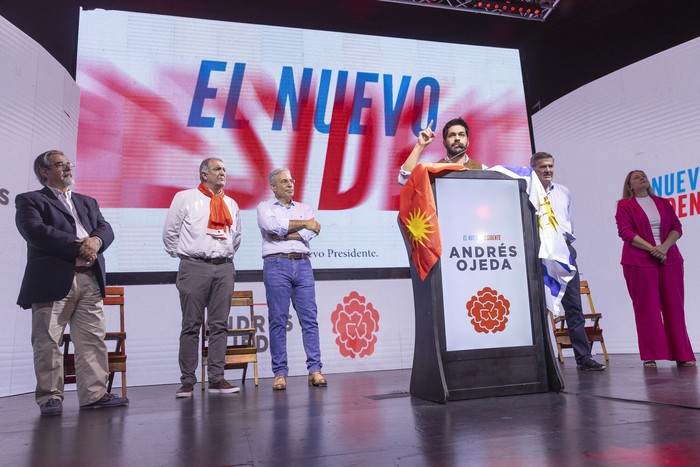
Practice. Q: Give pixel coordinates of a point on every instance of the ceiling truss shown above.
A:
(536, 10)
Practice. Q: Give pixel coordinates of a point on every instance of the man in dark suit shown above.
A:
(64, 282)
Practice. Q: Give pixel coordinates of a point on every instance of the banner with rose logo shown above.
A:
(355, 323)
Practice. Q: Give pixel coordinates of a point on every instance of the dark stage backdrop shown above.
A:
(581, 41)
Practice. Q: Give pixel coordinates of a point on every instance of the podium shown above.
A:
(480, 314)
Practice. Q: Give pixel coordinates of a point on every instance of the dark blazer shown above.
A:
(50, 232)
(632, 221)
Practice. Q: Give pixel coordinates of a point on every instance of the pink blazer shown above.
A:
(632, 220)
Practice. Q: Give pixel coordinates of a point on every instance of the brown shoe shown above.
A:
(317, 379)
(222, 387)
(185, 390)
(280, 383)
(685, 364)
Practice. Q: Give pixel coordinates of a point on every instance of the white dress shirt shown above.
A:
(274, 217)
(560, 198)
(185, 229)
(66, 199)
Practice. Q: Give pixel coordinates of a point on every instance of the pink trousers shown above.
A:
(657, 297)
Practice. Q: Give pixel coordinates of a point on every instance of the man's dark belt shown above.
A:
(288, 255)
(208, 260)
(84, 270)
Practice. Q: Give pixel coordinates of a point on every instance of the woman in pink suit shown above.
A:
(653, 268)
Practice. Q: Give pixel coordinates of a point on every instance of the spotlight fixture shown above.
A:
(536, 10)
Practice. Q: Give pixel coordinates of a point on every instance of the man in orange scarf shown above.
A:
(203, 229)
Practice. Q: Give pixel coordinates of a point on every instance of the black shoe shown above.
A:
(51, 407)
(108, 400)
(588, 364)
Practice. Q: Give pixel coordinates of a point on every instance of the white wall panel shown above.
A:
(645, 116)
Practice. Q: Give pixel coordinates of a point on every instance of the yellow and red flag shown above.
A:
(418, 215)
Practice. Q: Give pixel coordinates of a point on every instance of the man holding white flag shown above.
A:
(555, 256)
(555, 211)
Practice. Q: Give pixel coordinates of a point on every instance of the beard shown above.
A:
(454, 150)
(67, 181)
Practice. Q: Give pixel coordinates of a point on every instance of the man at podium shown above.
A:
(455, 137)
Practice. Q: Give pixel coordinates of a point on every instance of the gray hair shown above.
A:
(273, 174)
(204, 166)
(42, 162)
(538, 156)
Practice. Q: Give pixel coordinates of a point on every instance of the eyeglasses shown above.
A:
(63, 165)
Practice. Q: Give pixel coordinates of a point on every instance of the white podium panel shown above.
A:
(483, 265)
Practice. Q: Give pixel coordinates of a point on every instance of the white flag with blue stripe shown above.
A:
(556, 260)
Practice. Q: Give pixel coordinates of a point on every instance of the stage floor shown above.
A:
(627, 415)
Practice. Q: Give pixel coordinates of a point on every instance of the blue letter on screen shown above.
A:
(360, 101)
(421, 86)
(322, 101)
(287, 92)
(202, 92)
(234, 93)
(392, 112)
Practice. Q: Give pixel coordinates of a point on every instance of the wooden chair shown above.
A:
(117, 357)
(241, 348)
(593, 330)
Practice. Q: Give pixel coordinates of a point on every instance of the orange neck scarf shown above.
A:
(219, 216)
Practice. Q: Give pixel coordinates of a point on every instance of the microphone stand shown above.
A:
(459, 154)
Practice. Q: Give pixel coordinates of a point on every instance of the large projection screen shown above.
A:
(161, 93)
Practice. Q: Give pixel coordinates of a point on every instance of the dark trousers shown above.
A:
(203, 285)
(573, 312)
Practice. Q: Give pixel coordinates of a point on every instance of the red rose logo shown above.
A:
(488, 311)
(355, 322)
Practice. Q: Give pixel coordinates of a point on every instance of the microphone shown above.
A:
(448, 160)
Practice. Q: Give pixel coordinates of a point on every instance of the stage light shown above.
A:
(537, 10)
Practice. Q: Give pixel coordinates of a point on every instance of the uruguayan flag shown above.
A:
(556, 260)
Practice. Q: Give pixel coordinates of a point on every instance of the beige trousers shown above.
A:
(82, 308)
